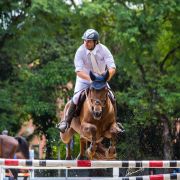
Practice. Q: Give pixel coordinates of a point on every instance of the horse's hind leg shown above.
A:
(92, 149)
(111, 153)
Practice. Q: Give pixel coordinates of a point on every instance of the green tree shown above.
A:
(38, 40)
(12, 16)
(149, 40)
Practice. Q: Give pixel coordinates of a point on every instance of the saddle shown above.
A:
(81, 100)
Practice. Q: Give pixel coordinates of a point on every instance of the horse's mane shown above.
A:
(23, 146)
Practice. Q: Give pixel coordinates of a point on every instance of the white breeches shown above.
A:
(79, 87)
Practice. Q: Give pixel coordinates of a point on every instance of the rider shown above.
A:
(91, 48)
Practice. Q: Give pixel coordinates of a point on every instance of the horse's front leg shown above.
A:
(81, 155)
(91, 151)
(66, 138)
(89, 131)
(68, 150)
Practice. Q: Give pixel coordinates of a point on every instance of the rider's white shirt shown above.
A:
(102, 55)
(82, 62)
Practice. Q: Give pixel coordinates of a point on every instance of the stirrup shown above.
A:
(63, 126)
(121, 127)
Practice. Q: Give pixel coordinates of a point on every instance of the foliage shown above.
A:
(38, 40)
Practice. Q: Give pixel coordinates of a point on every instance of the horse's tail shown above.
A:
(23, 146)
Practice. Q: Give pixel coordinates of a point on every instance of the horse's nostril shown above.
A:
(97, 113)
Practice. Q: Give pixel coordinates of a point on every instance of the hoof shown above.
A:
(111, 153)
(121, 128)
(112, 150)
(90, 154)
(80, 157)
(100, 156)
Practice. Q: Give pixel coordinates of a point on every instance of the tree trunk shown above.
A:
(49, 154)
(166, 138)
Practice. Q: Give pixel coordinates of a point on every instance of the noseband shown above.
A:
(93, 102)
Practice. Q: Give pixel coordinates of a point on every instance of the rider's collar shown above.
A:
(94, 51)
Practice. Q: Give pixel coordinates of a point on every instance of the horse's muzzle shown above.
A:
(97, 115)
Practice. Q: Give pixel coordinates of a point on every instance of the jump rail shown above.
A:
(154, 177)
(66, 164)
(87, 164)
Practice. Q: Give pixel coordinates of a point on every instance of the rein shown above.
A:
(88, 101)
(90, 105)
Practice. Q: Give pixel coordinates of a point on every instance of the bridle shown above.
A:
(93, 102)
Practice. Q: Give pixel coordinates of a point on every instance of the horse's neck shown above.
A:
(87, 106)
(109, 106)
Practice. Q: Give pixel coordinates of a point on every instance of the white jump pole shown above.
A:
(153, 177)
(87, 164)
(64, 164)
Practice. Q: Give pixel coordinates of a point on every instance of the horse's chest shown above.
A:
(104, 127)
(101, 126)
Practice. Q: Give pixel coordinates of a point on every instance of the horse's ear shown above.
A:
(106, 75)
(92, 75)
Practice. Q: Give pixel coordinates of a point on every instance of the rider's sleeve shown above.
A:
(78, 60)
(109, 60)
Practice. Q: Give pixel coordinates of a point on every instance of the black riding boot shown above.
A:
(65, 124)
(113, 101)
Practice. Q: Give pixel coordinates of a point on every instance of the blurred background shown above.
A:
(38, 41)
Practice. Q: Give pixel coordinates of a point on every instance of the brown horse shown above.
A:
(97, 120)
(14, 147)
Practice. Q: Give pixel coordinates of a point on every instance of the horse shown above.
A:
(14, 147)
(96, 121)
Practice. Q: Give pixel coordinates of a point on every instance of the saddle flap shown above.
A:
(81, 100)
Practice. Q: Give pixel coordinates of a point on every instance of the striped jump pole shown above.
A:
(65, 164)
(155, 177)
